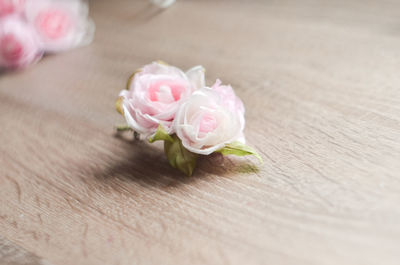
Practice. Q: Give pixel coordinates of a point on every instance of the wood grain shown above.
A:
(320, 81)
(10, 254)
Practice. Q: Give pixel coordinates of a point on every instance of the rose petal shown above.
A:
(196, 76)
(9, 7)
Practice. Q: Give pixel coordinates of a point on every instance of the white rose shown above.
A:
(205, 123)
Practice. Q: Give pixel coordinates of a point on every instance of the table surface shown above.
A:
(320, 81)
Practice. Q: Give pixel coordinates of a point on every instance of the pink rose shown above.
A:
(61, 25)
(8, 7)
(230, 100)
(155, 95)
(210, 119)
(18, 44)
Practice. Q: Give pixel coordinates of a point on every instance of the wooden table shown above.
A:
(321, 84)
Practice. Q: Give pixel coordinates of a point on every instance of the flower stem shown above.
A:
(123, 128)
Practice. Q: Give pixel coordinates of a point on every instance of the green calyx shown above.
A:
(161, 135)
(178, 156)
(182, 159)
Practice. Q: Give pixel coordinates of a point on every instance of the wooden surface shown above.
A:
(321, 84)
(11, 254)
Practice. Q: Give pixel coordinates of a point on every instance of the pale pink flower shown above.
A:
(230, 100)
(18, 44)
(155, 95)
(209, 120)
(60, 25)
(8, 7)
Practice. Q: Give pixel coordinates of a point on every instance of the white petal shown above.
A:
(131, 122)
(196, 76)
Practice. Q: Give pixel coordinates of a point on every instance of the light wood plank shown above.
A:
(320, 81)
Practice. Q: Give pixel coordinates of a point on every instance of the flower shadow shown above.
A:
(144, 164)
(147, 165)
(5, 71)
(225, 166)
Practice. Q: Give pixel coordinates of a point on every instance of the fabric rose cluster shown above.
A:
(162, 102)
(30, 28)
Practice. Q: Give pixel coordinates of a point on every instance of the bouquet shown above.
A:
(163, 103)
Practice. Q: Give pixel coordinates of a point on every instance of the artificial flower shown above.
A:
(19, 46)
(207, 121)
(154, 95)
(60, 25)
(166, 104)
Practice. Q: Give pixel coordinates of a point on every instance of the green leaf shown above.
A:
(161, 135)
(239, 149)
(122, 128)
(179, 157)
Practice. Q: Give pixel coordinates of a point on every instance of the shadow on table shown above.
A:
(146, 164)
(3, 72)
(15, 71)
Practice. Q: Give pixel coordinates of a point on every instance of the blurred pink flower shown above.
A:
(8, 7)
(61, 25)
(18, 44)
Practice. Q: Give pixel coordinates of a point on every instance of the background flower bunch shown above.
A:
(30, 28)
(164, 103)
